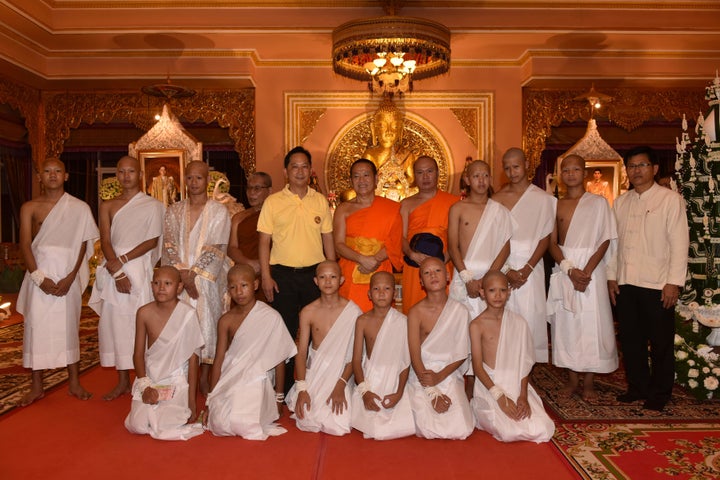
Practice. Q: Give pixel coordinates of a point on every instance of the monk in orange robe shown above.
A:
(367, 232)
(424, 212)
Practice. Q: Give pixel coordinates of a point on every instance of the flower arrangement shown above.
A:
(215, 177)
(110, 188)
(697, 366)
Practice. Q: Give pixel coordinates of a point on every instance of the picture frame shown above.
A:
(611, 172)
(172, 189)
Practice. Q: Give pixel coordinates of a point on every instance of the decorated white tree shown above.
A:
(698, 173)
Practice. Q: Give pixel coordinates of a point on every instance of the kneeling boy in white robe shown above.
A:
(163, 403)
(381, 364)
(504, 404)
(253, 344)
(439, 346)
(319, 397)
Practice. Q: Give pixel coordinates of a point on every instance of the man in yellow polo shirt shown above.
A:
(298, 224)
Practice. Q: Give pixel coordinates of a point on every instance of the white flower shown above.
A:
(693, 373)
(691, 363)
(692, 383)
(678, 339)
(716, 371)
(681, 355)
(711, 383)
(706, 370)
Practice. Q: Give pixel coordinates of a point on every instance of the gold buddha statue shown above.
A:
(393, 161)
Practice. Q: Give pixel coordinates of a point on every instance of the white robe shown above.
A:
(583, 335)
(390, 356)
(166, 364)
(448, 342)
(491, 234)
(324, 367)
(203, 250)
(534, 216)
(243, 401)
(513, 362)
(139, 220)
(51, 337)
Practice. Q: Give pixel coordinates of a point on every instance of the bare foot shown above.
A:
(568, 390)
(30, 397)
(589, 393)
(79, 392)
(119, 390)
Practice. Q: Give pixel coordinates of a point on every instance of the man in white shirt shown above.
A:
(645, 277)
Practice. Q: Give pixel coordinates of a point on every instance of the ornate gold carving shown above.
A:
(544, 109)
(353, 142)
(468, 118)
(25, 100)
(231, 109)
(309, 117)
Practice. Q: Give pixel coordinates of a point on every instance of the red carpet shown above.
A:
(60, 437)
(642, 451)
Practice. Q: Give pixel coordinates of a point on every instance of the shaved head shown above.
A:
(243, 271)
(173, 272)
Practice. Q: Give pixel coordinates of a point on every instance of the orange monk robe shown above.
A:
(430, 217)
(367, 231)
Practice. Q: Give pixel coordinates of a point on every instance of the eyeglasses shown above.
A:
(634, 166)
(255, 188)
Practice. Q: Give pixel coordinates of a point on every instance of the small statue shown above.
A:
(393, 161)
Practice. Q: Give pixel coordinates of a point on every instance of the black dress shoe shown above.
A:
(629, 397)
(657, 405)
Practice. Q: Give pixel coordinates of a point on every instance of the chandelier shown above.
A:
(167, 90)
(391, 51)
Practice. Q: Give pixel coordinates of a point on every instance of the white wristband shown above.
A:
(362, 388)
(496, 392)
(466, 276)
(140, 385)
(119, 273)
(566, 265)
(301, 386)
(37, 277)
(432, 392)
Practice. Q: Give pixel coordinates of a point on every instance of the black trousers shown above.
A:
(297, 289)
(642, 321)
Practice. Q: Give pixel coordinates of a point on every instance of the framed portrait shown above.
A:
(163, 174)
(604, 178)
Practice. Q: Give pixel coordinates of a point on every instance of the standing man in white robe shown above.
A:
(57, 236)
(533, 210)
(253, 345)
(195, 238)
(381, 364)
(504, 403)
(439, 347)
(479, 232)
(583, 335)
(130, 230)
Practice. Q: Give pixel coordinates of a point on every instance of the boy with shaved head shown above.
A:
(504, 403)
(130, 231)
(323, 368)
(57, 233)
(381, 364)
(252, 347)
(583, 335)
(439, 347)
(195, 235)
(167, 346)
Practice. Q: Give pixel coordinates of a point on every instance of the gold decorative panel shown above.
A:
(231, 109)
(353, 141)
(630, 107)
